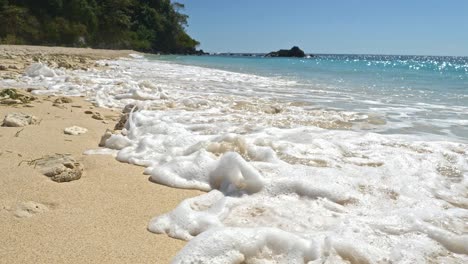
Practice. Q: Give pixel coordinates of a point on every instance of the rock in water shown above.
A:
(75, 130)
(293, 52)
(105, 137)
(272, 109)
(122, 122)
(19, 120)
(128, 108)
(60, 167)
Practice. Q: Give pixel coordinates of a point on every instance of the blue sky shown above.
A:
(419, 27)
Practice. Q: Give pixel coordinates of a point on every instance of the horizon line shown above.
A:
(370, 54)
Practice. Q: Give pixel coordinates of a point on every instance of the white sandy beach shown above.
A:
(100, 218)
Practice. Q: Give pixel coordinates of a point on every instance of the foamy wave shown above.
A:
(285, 183)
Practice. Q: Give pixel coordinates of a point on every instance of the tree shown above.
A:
(145, 25)
(18, 27)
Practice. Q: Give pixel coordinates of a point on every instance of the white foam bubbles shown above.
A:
(242, 245)
(39, 70)
(285, 182)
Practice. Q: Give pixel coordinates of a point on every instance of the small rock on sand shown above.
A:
(60, 167)
(10, 101)
(65, 64)
(19, 120)
(75, 130)
(63, 100)
(97, 116)
(12, 96)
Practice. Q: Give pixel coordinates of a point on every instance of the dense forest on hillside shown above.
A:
(144, 25)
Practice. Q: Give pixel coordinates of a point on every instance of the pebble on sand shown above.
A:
(97, 116)
(75, 130)
(60, 167)
(63, 100)
(19, 120)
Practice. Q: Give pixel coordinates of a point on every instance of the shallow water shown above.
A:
(296, 170)
(416, 94)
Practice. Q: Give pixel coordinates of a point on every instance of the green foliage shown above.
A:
(18, 26)
(144, 25)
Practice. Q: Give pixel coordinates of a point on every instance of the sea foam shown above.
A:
(284, 182)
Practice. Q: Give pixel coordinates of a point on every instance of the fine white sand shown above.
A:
(100, 218)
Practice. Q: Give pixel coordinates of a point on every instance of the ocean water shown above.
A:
(415, 94)
(334, 159)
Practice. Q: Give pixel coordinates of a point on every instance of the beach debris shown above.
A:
(75, 130)
(58, 167)
(105, 137)
(29, 209)
(18, 133)
(88, 112)
(19, 120)
(13, 96)
(3, 68)
(31, 89)
(97, 116)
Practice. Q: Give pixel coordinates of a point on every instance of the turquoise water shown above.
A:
(418, 94)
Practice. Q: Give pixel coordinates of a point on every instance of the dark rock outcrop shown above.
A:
(293, 52)
(196, 52)
(201, 52)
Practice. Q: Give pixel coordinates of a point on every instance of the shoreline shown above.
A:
(15, 58)
(274, 173)
(103, 216)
